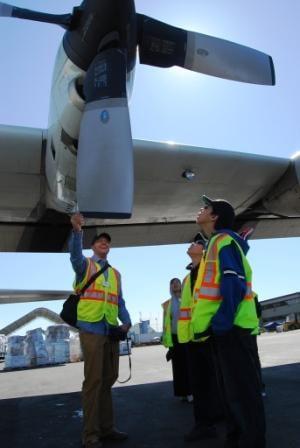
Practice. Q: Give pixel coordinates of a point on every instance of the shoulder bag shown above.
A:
(69, 309)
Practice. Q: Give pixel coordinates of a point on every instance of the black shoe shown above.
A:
(115, 435)
(96, 444)
(230, 444)
(200, 433)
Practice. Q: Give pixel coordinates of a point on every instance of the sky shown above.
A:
(166, 105)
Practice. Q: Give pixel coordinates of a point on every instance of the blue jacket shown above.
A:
(233, 283)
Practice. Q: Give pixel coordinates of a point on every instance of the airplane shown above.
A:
(55, 171)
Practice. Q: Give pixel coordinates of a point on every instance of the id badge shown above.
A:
(106, 284)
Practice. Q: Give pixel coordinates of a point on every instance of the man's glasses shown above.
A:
(201, 242)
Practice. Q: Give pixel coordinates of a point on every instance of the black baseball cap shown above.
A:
(101, 235)
(223, 209)
(198, 239)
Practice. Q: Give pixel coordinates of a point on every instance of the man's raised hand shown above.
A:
(77, 221)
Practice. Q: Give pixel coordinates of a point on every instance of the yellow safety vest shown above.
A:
(167, 330)
(207, 290)
(256, 330)
(101, 297)
(184, 328)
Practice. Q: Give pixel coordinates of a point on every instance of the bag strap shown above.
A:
(129, 361)
(93, 278)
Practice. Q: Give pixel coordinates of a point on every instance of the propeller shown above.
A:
(64, 20)
(163, 45)
(101, 39)
(105, 151)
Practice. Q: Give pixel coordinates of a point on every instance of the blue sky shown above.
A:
(167, 105)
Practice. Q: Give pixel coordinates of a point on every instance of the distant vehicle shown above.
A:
(124, 348)
(292, 322)
(3, 346)
(145, 339)
(291, 325)
(272, 326)
(156, 340)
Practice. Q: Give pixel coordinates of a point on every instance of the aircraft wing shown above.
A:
(264, 191)
(27, 295)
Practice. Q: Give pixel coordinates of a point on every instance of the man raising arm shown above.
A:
(98, 312)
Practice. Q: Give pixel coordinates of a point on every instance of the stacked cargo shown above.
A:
(3, 345)
(35, 349)
(15, 355)
(57, 344)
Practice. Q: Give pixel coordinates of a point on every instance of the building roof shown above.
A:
(286, 298)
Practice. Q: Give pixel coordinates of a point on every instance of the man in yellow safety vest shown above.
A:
(206, 405)
(225, 310)
(98, 312)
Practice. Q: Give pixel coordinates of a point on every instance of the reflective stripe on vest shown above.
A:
(185, 314)
(184, 329)
(167, 330)
(100, 300)
(207, 293)
(256, 330)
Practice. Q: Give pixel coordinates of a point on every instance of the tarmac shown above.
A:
(41, 408)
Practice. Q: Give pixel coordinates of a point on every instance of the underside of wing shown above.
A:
(169, 182)
(25, 223)
(263, 190)
(21, 172)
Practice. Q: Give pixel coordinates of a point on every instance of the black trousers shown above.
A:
(179, 360)
(241, 388)
(206, 404)
(257, 363)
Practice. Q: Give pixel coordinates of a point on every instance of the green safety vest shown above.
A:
(207, 295)
(184, 327)
(100, 300)
(167, 330)
(256, 330)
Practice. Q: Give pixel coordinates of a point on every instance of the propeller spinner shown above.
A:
(101, 39)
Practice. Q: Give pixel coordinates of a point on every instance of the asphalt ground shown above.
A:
(41, 407)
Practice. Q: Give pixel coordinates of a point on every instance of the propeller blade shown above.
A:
(105, 150)
(64, 20)
(6, 10)
(163, 45)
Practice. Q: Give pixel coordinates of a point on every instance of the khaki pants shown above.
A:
(101, 367)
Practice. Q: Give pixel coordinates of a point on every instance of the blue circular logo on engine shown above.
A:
(104, 116)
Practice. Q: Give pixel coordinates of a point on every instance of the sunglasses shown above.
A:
(200, 242)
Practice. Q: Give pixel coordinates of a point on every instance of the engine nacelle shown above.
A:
(65, 114)
(64, 121)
